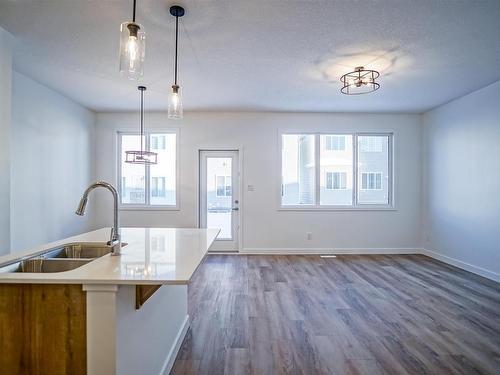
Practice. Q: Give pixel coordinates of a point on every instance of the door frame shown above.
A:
(239, 149)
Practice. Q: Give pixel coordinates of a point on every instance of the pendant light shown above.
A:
(132, 48)
(142, 156)
(361, 81)
(175, 110)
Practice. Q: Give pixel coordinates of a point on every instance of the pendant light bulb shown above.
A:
(132, 49)
(175, 110)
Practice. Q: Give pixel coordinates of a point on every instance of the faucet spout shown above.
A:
(81, 206)
(115, 239)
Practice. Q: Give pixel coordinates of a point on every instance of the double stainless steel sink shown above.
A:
(63, 258)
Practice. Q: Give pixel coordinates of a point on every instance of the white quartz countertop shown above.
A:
(152, 256)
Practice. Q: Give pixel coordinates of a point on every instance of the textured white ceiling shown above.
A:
(275, 55)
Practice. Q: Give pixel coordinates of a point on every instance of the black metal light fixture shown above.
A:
(361, 81)
(175, 110)
(132, 48)
(142, 156)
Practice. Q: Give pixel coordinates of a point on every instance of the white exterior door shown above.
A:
(220, 197)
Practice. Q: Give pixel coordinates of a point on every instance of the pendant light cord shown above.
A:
(176, 38)
(133, 14)
(142, 119)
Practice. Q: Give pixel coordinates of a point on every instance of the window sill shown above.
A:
(149, 208)
(340, 208)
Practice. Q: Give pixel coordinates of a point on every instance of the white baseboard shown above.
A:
(172, 354)
(463, 265)
(319, 251)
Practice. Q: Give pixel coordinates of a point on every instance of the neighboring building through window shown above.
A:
(157, 186)
(345, 178)
(298, 169)
(223, 186)
(370, 144)
(158, 142)
(335, 142)
(371, 181)
(149, 185)
(336, 180)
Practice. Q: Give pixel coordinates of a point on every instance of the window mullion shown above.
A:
(119, 168)
(147, 184)
(355, 170)
(317, 177)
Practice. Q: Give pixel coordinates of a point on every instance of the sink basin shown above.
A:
(64, 258)
(80, 250)
(50, 265)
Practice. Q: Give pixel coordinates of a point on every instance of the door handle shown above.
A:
(235, 209)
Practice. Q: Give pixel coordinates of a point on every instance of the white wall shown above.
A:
(264, 227)
(461, 219)
(52, 162)
(5, 137)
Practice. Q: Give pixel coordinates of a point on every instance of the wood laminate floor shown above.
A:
(383, 314)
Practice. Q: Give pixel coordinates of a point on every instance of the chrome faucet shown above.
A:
(115, 239)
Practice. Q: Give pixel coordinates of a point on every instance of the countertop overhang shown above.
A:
(152, 256)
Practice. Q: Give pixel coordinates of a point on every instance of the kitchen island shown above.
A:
(124, 314)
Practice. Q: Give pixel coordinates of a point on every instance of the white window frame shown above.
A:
(225, 186)
(146, 206)
(374, 173)
(356, 206)
(340, 174)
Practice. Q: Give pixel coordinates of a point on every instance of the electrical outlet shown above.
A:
(309, 236)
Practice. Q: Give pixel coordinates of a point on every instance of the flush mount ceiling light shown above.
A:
(142, 156)
(361, 81)
(132, 48)
(175, 110)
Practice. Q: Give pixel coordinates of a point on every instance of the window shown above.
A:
(335, 142)
(298, 169)
(158, 142)
(336, 180)
(223, 186)
(157, 186)
(358, 174)
(149, 185)
(370, 144)
(371, 181)
(338, 192)
(374, 169)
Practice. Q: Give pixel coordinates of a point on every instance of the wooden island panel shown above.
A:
(43, 329)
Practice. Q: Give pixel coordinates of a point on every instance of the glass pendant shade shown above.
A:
(132, 50)
(175, 110)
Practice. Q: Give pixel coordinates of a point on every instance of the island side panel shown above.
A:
(42, 329)
(148, 339)
(101, 328)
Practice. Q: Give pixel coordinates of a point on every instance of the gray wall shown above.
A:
(52, 162)
(264, 226)
(5, 115)
(461, 219)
